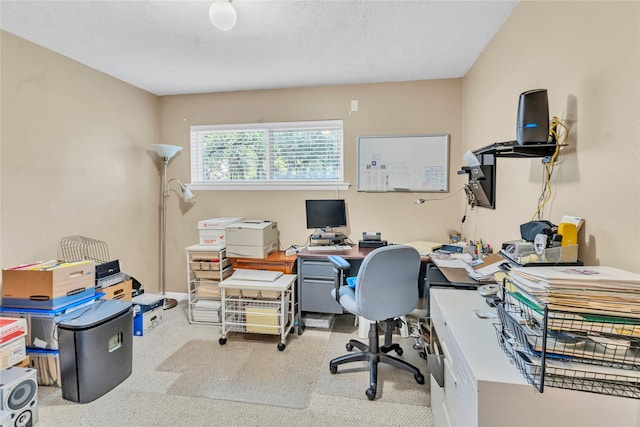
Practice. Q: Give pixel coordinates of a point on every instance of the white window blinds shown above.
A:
(267, 154)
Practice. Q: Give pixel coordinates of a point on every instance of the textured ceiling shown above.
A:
(170, 47)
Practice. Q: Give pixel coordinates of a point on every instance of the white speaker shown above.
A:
(19, 396)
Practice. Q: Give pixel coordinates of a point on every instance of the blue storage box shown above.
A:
(147, 309)
(42, 324)
(47, 303)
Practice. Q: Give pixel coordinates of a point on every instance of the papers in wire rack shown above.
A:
(593, 289)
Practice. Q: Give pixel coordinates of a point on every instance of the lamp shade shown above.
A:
(165, 151)
(222, 15)
(188, 195)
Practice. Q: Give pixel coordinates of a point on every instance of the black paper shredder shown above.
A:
(96, 349)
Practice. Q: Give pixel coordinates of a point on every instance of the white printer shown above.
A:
(251, 238)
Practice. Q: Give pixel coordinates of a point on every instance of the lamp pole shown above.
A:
(168, 302)
(166, 152)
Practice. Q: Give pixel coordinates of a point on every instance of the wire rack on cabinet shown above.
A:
(576, 351)
(78, 248)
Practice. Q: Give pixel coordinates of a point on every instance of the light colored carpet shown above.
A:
(144, 400)
(352, 379)
(248, 368)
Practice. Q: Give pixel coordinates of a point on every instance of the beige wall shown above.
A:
(74, 157)
(74, 160)
(587, 54)
(391, 108)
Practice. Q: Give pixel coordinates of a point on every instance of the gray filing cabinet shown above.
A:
(316, 279)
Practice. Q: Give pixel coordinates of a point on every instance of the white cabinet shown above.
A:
(482, 387)
(207, 266)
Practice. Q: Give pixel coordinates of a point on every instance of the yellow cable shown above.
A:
(547, 192)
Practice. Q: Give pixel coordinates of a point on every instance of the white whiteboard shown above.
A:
(413, 163)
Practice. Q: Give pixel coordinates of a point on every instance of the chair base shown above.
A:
(375, 354)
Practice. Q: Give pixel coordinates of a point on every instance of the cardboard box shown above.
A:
(144, 322)
(122, 290)
(24, 363)
(48, 285)
(147, 313)
(212, 231)
(11, 328)
(12, 352)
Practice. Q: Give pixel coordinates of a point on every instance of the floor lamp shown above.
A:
(166, 152)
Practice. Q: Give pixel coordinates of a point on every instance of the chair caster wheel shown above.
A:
(222, 341)
(281, 346)
(399, 351)
(419, 378)
(371, 394)
(349, 346)
(333, 369)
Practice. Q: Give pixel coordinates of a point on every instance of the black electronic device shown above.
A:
(371, 235)
(107, 269)
(326, 213)
(484, 189)
(372, 243)
(533, 117)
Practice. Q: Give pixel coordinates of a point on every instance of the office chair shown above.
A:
(386, 287)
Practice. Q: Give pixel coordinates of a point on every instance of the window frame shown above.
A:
(327, 184)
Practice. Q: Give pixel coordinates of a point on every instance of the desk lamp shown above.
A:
(166, 152)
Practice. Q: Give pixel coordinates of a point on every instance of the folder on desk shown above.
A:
(424, 247)
(256, 275)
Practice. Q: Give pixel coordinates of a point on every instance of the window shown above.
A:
(297, 155)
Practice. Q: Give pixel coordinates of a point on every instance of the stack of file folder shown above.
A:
(595, 290)
(576, 328)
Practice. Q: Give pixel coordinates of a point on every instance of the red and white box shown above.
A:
(212, 232)
(13, 349)
(12, 328)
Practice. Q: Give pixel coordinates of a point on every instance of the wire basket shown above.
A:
(79, 248)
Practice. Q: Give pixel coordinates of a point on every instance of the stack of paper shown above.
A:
(207, 311)
(595, 290)
(424, 247)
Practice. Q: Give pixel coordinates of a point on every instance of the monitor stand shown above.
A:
(327, 241)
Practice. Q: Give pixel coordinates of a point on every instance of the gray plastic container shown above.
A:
(96, 349)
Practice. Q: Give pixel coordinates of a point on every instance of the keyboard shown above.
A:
(328, 248)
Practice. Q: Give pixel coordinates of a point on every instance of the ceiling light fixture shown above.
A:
(222, 14)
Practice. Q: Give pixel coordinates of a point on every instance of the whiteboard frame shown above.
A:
(416, 147)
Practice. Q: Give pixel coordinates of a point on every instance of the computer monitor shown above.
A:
(326, 213)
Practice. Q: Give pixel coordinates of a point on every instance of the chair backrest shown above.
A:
(387, 282)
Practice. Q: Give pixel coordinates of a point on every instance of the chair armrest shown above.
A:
(339, 265)
(338, 262)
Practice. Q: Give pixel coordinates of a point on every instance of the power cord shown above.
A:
(421, 201)
(560, 138)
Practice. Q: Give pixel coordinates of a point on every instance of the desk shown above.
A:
(482, 387)
(317, 278)
(275, 261)
(445, 277)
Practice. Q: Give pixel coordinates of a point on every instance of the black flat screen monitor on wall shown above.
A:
(326, 213)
